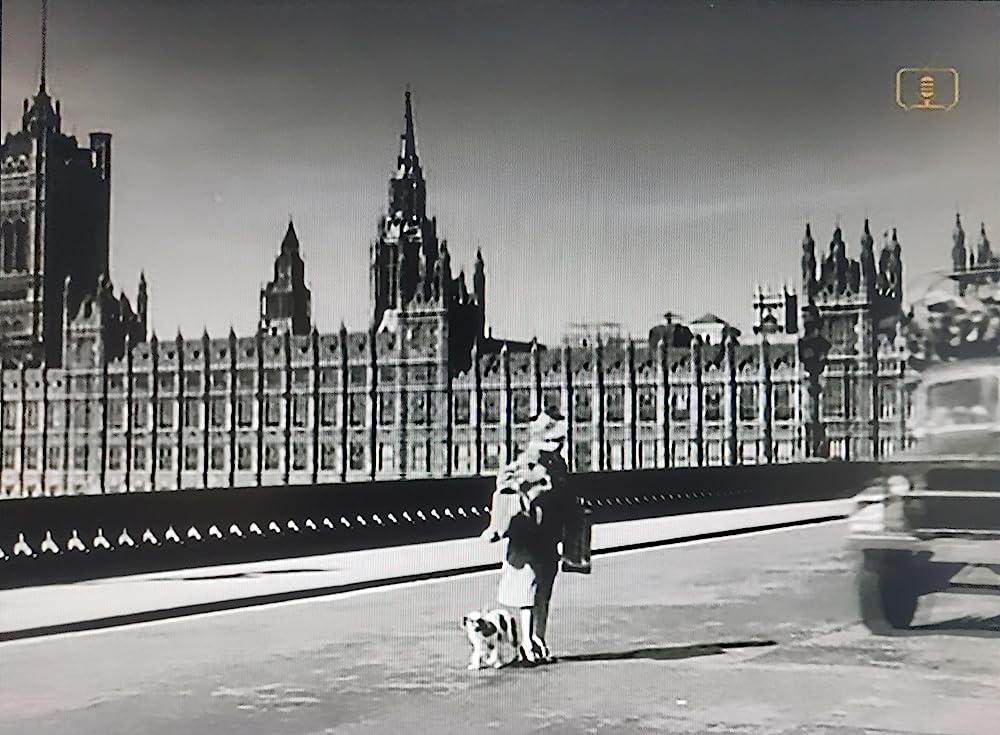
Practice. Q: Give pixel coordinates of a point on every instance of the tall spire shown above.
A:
(407, 193)
(45, 23)
(408, 160)
(39, 114)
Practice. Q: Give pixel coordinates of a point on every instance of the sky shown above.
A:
(613, 160)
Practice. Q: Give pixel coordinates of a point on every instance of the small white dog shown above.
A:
(489, 633)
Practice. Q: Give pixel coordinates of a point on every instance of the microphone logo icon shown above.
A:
(926, 89)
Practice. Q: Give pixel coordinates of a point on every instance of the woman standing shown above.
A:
(531, 507)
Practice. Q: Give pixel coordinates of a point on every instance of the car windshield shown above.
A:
(963, 402)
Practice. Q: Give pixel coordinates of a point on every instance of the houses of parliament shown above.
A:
(94, 403)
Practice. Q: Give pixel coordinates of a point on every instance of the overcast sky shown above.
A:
(613, 160)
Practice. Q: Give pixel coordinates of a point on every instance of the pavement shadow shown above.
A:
(968, 625)
(666, 653)
(241, 575)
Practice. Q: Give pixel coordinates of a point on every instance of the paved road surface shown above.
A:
(54, 608)
(667, 640)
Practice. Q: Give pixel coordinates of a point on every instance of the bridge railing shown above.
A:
(49, 540)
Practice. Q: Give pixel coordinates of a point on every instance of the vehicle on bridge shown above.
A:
(931, 521)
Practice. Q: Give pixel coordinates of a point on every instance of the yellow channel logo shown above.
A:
(927, 89)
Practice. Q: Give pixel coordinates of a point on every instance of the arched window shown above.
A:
(7, 246)
(22, 260)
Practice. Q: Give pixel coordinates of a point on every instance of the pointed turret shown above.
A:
(984, 253)
(446, 279)
(809, 285)
(867, 270)
(142, 305)
(890, 277)
(290, 243)
(959, 257)
(839, 264)
(285, 302)
(479, 280)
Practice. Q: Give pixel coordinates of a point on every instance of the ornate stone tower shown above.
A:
(285, 303)
(411, 277)
(857, 305)
(55, 199)
(857, 300)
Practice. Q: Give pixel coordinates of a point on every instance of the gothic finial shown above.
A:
(232, 334)
(866, 238)
(808, 239)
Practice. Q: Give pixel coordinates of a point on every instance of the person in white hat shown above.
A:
(530, 507)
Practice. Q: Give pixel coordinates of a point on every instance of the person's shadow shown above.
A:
(665, 653)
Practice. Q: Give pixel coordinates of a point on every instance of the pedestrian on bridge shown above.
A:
(531, 507)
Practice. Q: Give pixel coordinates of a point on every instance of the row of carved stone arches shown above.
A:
(14, 248)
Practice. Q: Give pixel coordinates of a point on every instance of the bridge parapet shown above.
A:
(44, 540)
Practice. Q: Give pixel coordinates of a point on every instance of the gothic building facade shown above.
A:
(859, 304)
(90, 404)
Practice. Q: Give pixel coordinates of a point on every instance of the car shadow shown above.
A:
(666, 653)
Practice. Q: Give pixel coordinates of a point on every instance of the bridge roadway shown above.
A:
(748, 634)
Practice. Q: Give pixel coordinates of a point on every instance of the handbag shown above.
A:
(576, 544)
